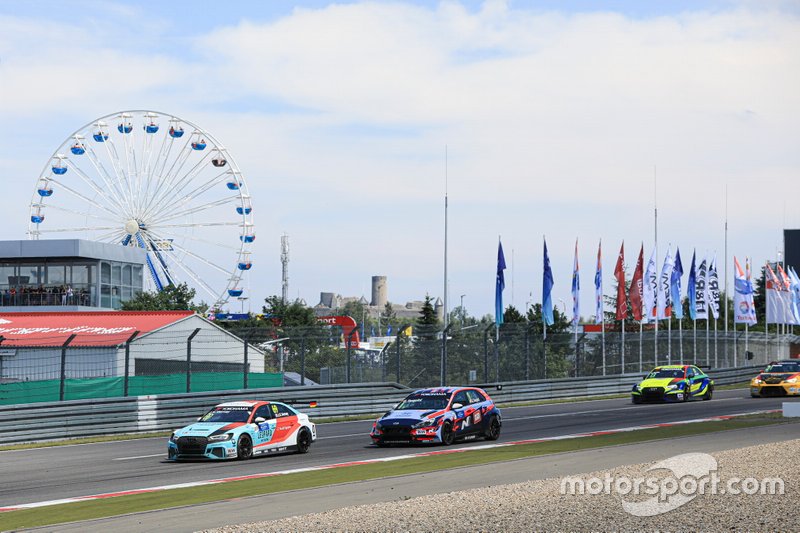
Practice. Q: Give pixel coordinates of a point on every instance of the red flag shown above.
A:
(636, 294)
(619, 273)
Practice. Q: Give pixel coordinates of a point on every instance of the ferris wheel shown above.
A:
(157, 182)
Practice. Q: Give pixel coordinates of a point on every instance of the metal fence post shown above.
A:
(486, 353)
(128, 363)
(246, 362)
(443, 377)
(302, 360)
(527, 352)
(64, 366)
(189, 360)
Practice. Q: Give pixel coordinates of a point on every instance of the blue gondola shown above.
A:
(59, 170)
(245, 266)
(176, 133)
(78, 149)
(244, 210)
(151, 128)
(38, 219)
(235, 292)
(125, 128)
(247, 238)
(100, 136)
(199, 145)
(44, 192)
(234, 185)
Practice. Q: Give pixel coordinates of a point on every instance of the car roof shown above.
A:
(242, 403)
(443, 390)
(671, 367)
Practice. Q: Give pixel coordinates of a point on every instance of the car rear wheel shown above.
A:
(493, 431)
(244, 448)
(448, 435)
(303, 441)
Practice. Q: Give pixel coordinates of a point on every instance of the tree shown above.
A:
(171, 298)
(427, 314)
(388, 313)
(511, 315)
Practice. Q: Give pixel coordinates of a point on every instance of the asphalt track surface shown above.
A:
(80, 470)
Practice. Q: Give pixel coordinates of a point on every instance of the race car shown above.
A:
(441, 415)
(240, 430)
(673, 383)
(780, 378)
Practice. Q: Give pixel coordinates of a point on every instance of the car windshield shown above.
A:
(784, 367)
(666, 373)
(425, 402)
(227, 414)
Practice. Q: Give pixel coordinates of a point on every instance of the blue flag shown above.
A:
(372, 331)
(388, 330)
(576, 289)
(675, 286)
(547, 287)
(499, 286)
(691, 290)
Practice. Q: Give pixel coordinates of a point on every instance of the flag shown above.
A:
(750, 298)
(665, 288)
(712, 289)
(795, 290)
(547, 287)
(372, 331)
(791, 303)
(650, 289)
(576, 289)
(691, 287)
(743, 313)
(635, 294)
(388, 330)
(500, 284)
(619, 273)
(775, 307)
(700, 292)
(675, 285)
(598, 286)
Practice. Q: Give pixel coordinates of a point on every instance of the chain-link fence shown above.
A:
(196, 360)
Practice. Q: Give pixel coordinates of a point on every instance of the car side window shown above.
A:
(281, 410)
(461, 397)
(697, 371)
(690, 373)
(474, 396)
(264, 411)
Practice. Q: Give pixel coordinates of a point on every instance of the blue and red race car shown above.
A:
(440, 415)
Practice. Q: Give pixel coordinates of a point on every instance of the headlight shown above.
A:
(637, 387)
(218, 438)
(172, 437)
(425, 423)
(756, 380)
(675, 386)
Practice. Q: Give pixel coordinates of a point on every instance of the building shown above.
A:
(329, 302)
(68, 275)
(96, 345)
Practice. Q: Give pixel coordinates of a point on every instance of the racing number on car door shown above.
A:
(265, 430)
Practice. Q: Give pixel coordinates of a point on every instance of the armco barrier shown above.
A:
(83, 418)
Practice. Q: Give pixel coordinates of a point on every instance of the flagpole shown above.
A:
(443, 361)
(680, 337)
(655, 226)
(694, 327)
(622, 351)
(725, 302)
(716, 360)
(603, 335)
(734, 344)
(669, 341)
(640, 345)
(708, 346)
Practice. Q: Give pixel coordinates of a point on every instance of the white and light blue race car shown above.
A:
(240, 430)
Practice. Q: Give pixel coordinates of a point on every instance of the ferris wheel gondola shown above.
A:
(143, 186)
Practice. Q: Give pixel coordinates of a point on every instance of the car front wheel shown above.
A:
(244, 448)
(448, 435)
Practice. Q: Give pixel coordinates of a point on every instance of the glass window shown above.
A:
(264, 412)
(56, 275)
(6, 272)
(80, 274)
(461, 398)
(126, 293)
(105, 296)
(281, 410)
(137, 277)
(126, 275)
(474, 396)
(116, 274)
(105, 273)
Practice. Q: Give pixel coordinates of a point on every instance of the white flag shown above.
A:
(712, 289)
(650, 289)
(700, 295)
(665, 288)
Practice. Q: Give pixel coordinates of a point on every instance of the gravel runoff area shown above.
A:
(541, 506)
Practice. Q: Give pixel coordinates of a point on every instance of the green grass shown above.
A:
(239, 489)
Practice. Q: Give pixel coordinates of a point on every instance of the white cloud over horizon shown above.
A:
(339, 115)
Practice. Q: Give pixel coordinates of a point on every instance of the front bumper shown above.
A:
(767, 390)
(658, 394)
(199, 448)
(405, 435)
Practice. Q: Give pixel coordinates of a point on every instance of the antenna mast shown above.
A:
(285, 265)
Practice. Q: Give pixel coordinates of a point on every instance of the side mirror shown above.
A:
(260, 420)
(457, 406)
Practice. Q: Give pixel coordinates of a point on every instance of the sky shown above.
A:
(351, 121)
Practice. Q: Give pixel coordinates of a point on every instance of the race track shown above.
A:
(81, 470)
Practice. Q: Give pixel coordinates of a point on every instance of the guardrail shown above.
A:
(142, 414)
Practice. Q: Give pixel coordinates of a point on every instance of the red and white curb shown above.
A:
(368, 462)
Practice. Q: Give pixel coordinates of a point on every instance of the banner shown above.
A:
(795, 289)
(650, 289)
(700, 294)
(547, 288)
(675, 285)
(743, 310)
(779, 298)
(619, 273)
(664, 295)
(691, 288)
(712, 290)
(500, 284)
(576, 289)
(598, 287)
(791, 301)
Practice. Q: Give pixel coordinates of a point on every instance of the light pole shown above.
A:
(563, 306)
(463, 312)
